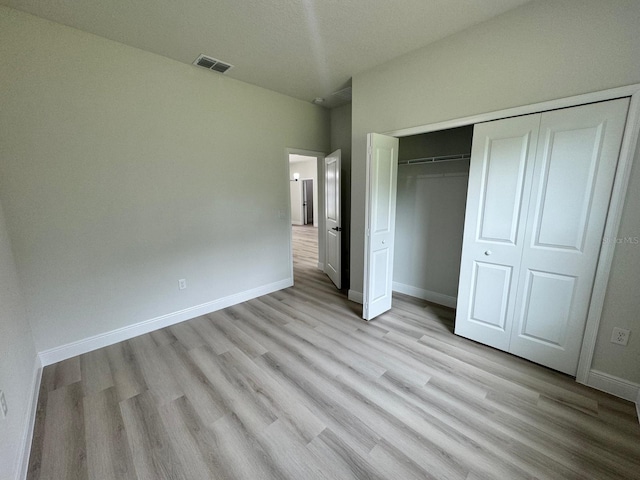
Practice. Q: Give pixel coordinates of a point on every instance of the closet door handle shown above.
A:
(487, 252)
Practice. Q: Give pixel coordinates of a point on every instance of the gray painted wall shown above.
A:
(17, 360)
(123, 171)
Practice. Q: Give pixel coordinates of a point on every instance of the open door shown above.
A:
(332, 226)
(380, 213)
(307, 202)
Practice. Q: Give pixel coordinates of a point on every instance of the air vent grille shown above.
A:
(344, 94)
(212, 64)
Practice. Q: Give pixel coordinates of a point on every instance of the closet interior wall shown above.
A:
(430, 212)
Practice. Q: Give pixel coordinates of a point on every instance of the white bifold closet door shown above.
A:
(539, 191)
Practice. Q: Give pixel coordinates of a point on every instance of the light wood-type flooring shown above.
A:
(295, 385)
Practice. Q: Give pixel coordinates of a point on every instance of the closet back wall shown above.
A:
(430, 215)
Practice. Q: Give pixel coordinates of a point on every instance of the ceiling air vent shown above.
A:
(212, 64)
(344, 94)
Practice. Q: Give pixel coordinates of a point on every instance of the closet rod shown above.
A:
(442, 158)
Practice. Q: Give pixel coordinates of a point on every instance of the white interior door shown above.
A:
(539, 192)
(307, 201)
(574, 170)
(382, 171)
(332, 226)
(500, 172)
(296, 203)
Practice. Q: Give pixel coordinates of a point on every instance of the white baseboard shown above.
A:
(355, 296)
(615, 386)
(70, 350)
(27, 435)
(429, 296)
(320, 266)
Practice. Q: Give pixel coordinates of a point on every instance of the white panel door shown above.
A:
(333, 229)
(502, 158)
(574, 170)
(382, 171)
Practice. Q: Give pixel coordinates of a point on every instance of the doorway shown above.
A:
(304, 193)
(433, 172)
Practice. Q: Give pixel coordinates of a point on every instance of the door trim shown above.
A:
(320, 174)
(616, 203)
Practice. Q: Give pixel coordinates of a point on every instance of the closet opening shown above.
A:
(433, 173)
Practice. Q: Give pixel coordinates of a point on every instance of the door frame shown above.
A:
(320, 208)
(616, 203)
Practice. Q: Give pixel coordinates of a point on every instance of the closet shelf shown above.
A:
(442, 158)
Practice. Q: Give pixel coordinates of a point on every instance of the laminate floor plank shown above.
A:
(233, 390)
(159, 379)
(241, 452)
(327, 408)
(37, 442)
(125, 370)
(64, 451)
(95, 371)
(339, 459)
(295, 385)
(202, 394)
(211, 334)
(226, 323)
(153, 455)
(177, 417)
(106, 438)
(67, 372)
(285, 403)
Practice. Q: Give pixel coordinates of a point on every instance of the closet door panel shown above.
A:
(500, 174)
(569, 163)
(382, 170)
(573, 176)
(501, 191)
(548, 299)
(494, 282)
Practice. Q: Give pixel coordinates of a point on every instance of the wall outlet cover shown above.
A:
(3, 405)
(620, 336)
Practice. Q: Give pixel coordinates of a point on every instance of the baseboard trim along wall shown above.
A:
(320, 266)
(355, 296)
(427, 295)
(615, 386)
(27, 435)
(70, 350)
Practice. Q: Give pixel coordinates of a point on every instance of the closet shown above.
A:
(539, 192)
(433, 170)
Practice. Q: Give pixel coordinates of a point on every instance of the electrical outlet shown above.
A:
(620, 336)
(3, 405)
(182, 283)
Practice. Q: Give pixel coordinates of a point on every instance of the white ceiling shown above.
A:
(302, 48)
